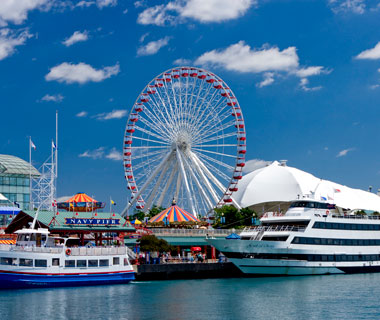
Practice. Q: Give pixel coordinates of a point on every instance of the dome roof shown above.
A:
(14, 165)
(278, 183)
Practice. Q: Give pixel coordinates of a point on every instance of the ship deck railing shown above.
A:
(75, 251)
(275, 229)
(193, 232)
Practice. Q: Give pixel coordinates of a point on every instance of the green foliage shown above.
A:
(152, 243)
(140, 215)
(233, 217)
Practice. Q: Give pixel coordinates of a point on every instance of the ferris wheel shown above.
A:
(184, 140)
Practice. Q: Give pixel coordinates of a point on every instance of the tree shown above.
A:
(152, 243)
(233, 218)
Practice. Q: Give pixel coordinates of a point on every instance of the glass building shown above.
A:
(14, 179)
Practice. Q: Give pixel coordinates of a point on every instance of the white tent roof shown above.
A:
(280, 183)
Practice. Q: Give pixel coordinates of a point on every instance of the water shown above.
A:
(317, 297)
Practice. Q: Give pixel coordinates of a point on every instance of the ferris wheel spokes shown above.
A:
(185, 145)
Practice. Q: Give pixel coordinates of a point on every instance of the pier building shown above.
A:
(15, 179)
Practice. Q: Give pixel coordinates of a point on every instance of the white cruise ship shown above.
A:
(312, 237)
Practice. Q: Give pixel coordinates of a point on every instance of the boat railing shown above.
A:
(97, 251)
(286, 228)
(36, 249)
(193, 232)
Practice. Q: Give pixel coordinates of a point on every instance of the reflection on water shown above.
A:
(317, 297)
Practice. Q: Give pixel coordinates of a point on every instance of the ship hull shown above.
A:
(18, 280)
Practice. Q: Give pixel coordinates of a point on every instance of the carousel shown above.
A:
(174, 216)
(81, 202)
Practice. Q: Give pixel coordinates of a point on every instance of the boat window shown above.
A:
(116, 260)
(92, 263)
(33, 237)
(40, 263)
(8, 261)
(70, 263)
(55, 262)
(104, 263)
(81, 263)
(26, 262)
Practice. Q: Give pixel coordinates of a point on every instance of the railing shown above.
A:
(31, 249)
(193, 232)
(80, 251)
(97, 251)
(275, 228)
(357, 216)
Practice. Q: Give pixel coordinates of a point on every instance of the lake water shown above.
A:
(316, 297)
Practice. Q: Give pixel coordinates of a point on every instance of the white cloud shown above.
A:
(106, 3)
(142, 38)
(77, 36)
(9, 40)
(114, 155)
(200, 10)
(93, 154)
(310, 71)
(100, 153)
(215, 10)
(114, 114)
(80, 73)
(82, 114)
(156, 15)
(52, 98)
(304, 85)
(268, 79)
(182, 62)
(343, 6)
(16, 11)
(152, 47)
(254, 164)
(125, 11)
(371, 54)
(84, 4)
(240, 57)
(344, 152)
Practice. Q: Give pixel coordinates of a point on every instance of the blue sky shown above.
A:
(306, 74)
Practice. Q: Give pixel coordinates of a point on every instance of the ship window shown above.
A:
(40, 263)
(104, 263)
(55, 262)
(26, 262)
(81, 263)
(70, 263)
(116, 260)
(8, 261)
(93, 263)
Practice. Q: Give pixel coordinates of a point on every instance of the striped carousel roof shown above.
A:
(81, 197)
(173, 214)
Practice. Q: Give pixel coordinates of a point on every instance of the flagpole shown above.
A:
(110, 204)
(30, 174)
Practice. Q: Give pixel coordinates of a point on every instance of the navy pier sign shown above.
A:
(91, 221)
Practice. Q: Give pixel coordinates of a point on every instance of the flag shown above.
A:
(323, 198)
(336, 190)
(53, 144)
(32, 145)
(113, 202)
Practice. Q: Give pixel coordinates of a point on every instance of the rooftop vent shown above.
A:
(283, 163)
